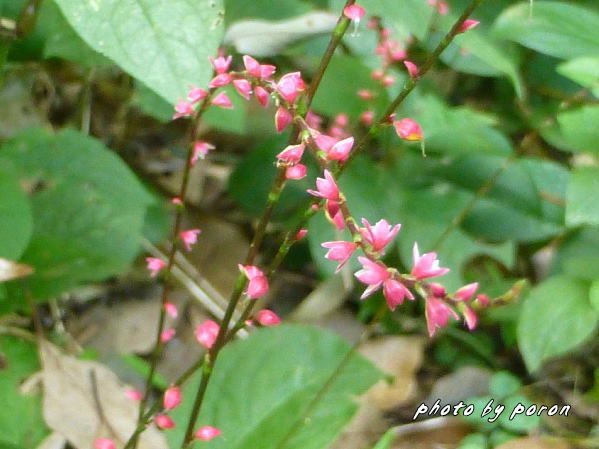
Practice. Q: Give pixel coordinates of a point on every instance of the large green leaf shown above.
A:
(584, 71)
(88, 209)
(555, 28)
(15, 216)
(582, 200)
(263, 385)
(164, 43)
(577, 254)
(21, 423)
(409, 17)
(557, 316)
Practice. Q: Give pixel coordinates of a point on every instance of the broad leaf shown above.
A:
(577, 254)
(86, 226)
(262, 386)
(557, 316)
(555, 28)
(15, 215)
(584, 71)
(582, 205)
(163, 43)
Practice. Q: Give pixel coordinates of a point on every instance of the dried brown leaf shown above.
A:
(84, 400)
(535, 443)
(12, 270)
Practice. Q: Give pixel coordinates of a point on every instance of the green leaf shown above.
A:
(386, 440)
(584, 71)
(504, 383)
(582, 206)
(236, 10)
(410, 17)
(557, 316)
(578, 129)
(261, 386)
(520, 422)
(87, 226)
(16, 224)
(163, 43)
(577, 255)
(594, 295)
(474, 441)
(21, 423)
(555, 28)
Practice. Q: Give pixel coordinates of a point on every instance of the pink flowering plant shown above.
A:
(407, 161)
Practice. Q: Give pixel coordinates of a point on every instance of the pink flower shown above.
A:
(437, 314)
(222, 100)
(266, 71)
(164, 422)
(221, 64)
(155, 265)
(134, 395)
(313, 120)
(388, 81)
(289, 86)
(327, 188)
(196, 94)
(206, 333)
(171, 309)
(408, 129)
(466, 292)
(200, 150)
(437, 290)
(398, 54)
(372, 274)
(297, 171)
(282, 118)
(207, 433)
(172, 398)
(244, 88)
(340, 150)
(468, 25)
(183, 108)
(367, 117)
(167, 335)
(220, 80)
(379, 235)
(395, 292)
(262, 95)
(441, 6)
(258, 284)
(427, 265)
(104, 443)
(339, 251)
(268, 318)
(365, 94)
(483, 300)
(190, 237)
(252, 66)
(325, 142)
(301, 234)
(177, 201)
(470, 318)
(354, 12)
(292, 154)
(412, 68)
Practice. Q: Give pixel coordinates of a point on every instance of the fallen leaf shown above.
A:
(84, 400)
(53, 441)
(535, 443)
(265, 38)
(12, 270)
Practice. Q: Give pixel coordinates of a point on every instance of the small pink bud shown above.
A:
(373, 23)
(372, 274)
(313, 120)
(258, 284)
(252, 66)
(385, 33)
(367, 118)
(183, 108)
(466, 292)
(207, 433)
(289, 86)
(354, 12)
(408, 129)
(189, 237)
(292, 154)
(468, 25)
(327, 188)
(437, 314)
(341, 120)
(200, 150)
(222, 100)
(470, 318)
(339, 251)
(221, 64)
(262, 95)
(427, 265)
(167, 335)
(437, 290)
(399, 54)
(176, 200)
(171, 309)
(297, 171)
(282, 118)
(244, 88)
(196, 94)
(134, 395)
(483, 300)
(377, 74)
(300, 234)
(104, 443)
(395, 292)
(365, 94)
(412, 68)
(172, 398)
(155, 265)
(206, 333)
(266, 71)
(220, 80)
(164, 422)
(267, 318)
(388, 81)
(340, 151)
